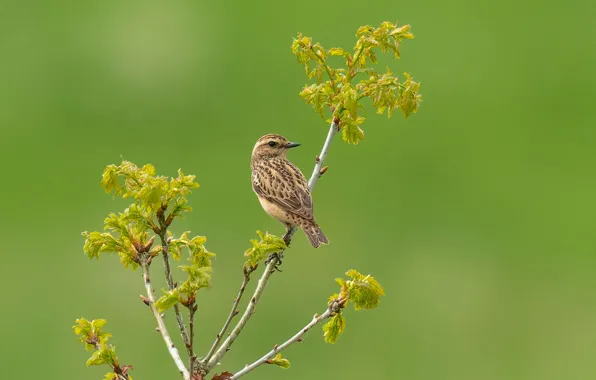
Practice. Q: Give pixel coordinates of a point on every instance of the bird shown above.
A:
(282, 189)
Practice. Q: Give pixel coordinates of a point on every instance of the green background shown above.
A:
(476, 214)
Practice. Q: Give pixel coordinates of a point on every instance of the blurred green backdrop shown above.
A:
(477, 214)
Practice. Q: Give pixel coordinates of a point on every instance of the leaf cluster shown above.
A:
(198, 269)
(92, 335)
(150, 190)
(341, 93)
(267, 245)
(127, 235)
(158, 200)
(362, 290)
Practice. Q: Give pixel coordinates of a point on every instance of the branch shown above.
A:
(318, 170)
(333, 308)
(166, 264)
(270, 268)
(233, 312)
(192, 309)
(316, 174)
(162, 327)
(250, 309)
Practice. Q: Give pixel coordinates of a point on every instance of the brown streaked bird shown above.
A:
(281, 187)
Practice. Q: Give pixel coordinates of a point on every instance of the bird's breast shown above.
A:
(276, 211)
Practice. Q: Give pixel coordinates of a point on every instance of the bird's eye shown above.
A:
(272, 143)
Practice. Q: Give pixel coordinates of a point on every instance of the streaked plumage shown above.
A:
(281, 187)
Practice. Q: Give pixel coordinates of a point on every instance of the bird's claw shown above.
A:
(277, 255)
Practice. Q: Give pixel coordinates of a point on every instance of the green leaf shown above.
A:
(200, 268)
(97, 242)
(198, 278)
(262, 248)
(198, 253)
(351, 131)
(175, 247)
(334, 328)
(128, 261)
(91, 333)
(109, 179)
(338, 52)
(169, 299)
(148, 169)
(364, 29)
(180, 206)
(364, 291)
(409, 99)
(319, 96)
(279, 361)
(117, 224)
(105, 355)
(111, 376)
(181, 185)
(403, 32)
(137, 214)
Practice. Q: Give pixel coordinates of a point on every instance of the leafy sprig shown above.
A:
(142, 184)
(267, 245)
(365, 293)
(341, 93)
(128, 232)
(279, 361)
(199, 271)
(92, 335)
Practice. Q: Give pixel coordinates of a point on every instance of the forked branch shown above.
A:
(333, 308)
(247, 272)
(212, 361)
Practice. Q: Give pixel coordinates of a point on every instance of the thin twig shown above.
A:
(170, 281)
(192, 309)
(316, 173)
(233, 312)
(312, 182)
(296, 338)
(250, 309)
(162, 326)
(270, 268)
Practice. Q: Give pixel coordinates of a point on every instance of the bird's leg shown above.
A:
(287, 236)
(280, 255)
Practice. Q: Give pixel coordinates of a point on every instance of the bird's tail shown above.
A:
(314, 234)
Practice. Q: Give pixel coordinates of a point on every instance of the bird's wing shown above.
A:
(285, 186)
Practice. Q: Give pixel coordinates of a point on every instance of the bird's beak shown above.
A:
(292, 145)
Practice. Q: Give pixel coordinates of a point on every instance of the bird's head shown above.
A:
(272, 146)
